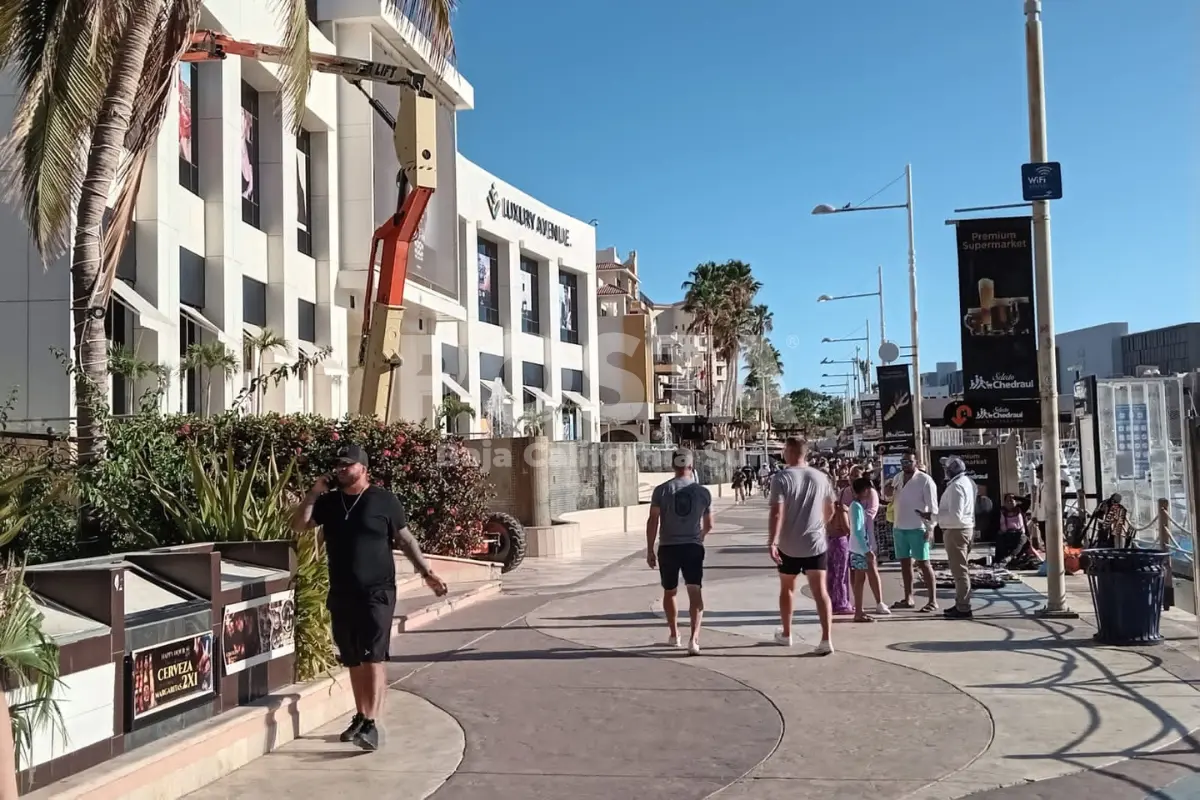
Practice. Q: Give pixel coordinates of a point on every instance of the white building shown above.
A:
(226, 242)
(529, 344)
(242, 227)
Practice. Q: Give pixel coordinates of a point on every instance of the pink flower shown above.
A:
(185, 430)
(429, 512)
(388, 453)
(334, 435)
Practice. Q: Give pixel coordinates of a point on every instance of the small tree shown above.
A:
(125, 365)
(212, 358)
(449, 411)
(256, 347)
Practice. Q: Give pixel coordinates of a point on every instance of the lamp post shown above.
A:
(825, 298)
(918, 416)
(845, 390)
(1056, 593)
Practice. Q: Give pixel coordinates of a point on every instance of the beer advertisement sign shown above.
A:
(998, 328)
(171, 674)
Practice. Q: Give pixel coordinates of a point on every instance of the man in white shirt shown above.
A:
(916, 502)
(956, 518)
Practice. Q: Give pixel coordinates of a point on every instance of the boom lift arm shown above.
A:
(415, 140)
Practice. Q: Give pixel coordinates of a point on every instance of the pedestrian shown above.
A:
(837, 532)
(1037, 509)
(1011, 537)
(739, 488)
(361, 526)
(680, 518)
(984, 513)
(956, 517)
(916, 502)
(802, 502)
(864, 564)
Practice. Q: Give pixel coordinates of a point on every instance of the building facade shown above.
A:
(1095, 350)
(1171, 350)
(528, 352)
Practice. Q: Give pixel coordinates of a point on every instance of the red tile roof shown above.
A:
(608, 289)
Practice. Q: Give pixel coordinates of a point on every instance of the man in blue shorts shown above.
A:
(916, 503)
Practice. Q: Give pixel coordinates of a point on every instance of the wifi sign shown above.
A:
(1041, 181)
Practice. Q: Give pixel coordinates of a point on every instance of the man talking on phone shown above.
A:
(361, 526)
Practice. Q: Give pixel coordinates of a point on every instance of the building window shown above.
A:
(189, 156)
(189, 334)
(254, 302)
(306, 324)
(530, 319)
(116, 322)
(488, 262)
(304, 239)
(251, 210)
(572, 380)
(568, 301)
(532, 375)
(191, 278)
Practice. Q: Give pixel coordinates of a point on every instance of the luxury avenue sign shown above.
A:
(526, 218)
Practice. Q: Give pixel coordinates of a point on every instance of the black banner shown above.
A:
(870, 420)
(999, 331)
(983, 467)
(895, 400)
(170, 674)
(969, 413)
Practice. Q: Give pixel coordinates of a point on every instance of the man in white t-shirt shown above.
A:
(916, 503)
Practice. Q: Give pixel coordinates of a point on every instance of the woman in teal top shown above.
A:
(864, 566)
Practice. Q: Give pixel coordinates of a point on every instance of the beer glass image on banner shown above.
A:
(999, 338)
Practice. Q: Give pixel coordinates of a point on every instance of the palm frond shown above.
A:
(432, 19)
(295, 71)
(61, 53)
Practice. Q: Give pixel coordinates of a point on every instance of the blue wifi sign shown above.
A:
(1041, 181)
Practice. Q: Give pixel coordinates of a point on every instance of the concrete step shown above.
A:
(417, 606)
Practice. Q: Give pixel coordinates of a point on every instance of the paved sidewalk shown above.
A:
(575, 696)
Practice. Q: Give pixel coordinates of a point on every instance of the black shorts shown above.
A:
(362, 626)
(676, 558)
(792, 565)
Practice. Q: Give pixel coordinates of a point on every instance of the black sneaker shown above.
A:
(953, 612)
(355, 726)
(368, 736)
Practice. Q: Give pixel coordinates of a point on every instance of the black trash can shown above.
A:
(1127, 593)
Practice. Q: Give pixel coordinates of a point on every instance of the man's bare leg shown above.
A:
(359, 688)
(695, 615)
(787, 587)
(671, 611)
(930, 582)
(820, 593)
(906, 576)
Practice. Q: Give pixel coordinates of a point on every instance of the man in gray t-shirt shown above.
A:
(802, 503)
(680, 517)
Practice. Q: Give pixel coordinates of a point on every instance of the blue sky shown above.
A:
(694, 136)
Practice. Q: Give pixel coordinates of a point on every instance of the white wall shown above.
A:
(86, 702)
(539, 235)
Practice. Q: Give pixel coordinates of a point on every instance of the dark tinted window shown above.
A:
(191, 278)
(307, 321)
(254, 301)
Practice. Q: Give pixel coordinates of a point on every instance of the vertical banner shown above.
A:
(870, 420)
(895, 401)
(995, 284)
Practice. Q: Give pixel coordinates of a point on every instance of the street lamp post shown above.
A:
(918, 415)
(825, 298)
(845, 390)
(1056, 593)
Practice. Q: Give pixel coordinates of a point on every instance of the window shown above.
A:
(488, 262)
(568, 301)
(306, 325)
(251, 210)
(530, 319)
(254, 301)
(532, 375)
(116, 322)
(189, 334)
(572, 380)
(191, 278)
(189, 161)
(304, 239)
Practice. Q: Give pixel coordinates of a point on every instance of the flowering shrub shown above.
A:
(444, 492)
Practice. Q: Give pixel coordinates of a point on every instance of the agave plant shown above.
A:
(228, 503)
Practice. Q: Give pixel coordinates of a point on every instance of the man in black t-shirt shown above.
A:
(361, 526)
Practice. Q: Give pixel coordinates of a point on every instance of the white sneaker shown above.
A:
(825, 648)
(883, 610)
(694, 648)
(780, 639)
(673, 641)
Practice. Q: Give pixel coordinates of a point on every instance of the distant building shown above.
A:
(1095, 350)
(1173, 349)
(946, 380)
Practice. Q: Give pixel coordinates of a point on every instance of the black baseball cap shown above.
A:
(352, 454)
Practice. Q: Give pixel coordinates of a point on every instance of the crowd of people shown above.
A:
(834, 519)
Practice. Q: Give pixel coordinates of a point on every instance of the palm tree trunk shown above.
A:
(208, 391)
(88, 303)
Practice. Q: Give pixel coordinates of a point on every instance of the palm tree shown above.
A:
(703, 301)
(449, 410)
(719, 298)
(125, 365)
(95, 79)
(267, 341)
(212, 358)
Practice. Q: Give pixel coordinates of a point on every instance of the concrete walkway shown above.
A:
(575, 696)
